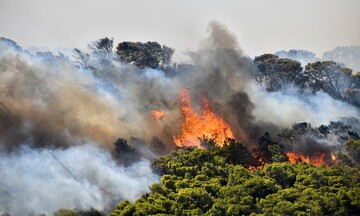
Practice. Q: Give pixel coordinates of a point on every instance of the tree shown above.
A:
(165, 56)
(274, 72)
(103, 46)
(270, 150)
(283, 173)
(329, 77)
(102, 52)
(99, 57)
(124, 153)
(352, 94)
(352, 147)
(82, 59)
(235, 153)
(205, 182)
(149, 54)
(194, 198)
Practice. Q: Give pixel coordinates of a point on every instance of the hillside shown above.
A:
(219, 181)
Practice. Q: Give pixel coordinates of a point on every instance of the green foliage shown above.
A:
(72, 212)
(217, 181)
(352, 147)
(274, 73)
(65, 212)
(283, 173)
(235, 153)
(270, 150)
(351, 155)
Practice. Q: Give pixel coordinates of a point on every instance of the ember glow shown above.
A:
(260, 162)
(195, 127)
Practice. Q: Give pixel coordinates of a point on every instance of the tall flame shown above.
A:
(208, 125)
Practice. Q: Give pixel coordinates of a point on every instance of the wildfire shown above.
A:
(317, 160)
(157, 115)
(195, 127)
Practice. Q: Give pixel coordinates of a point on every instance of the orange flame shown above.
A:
(317, 160)
(208, 125)
(293, 157)
(333, 157)
(157, 115)
(259, 160)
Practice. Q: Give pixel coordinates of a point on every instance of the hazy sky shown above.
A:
(260, 25)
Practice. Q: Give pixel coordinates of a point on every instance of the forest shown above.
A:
(218, 181)
(223, 134)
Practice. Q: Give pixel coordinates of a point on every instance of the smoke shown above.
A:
(223, 75)
(56, 108)
(219, 38)
(319, 142)
(48, 103)
(83, 177)
(288, 106)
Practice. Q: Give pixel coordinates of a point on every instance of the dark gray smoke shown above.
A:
(223, 75)
(307, 140)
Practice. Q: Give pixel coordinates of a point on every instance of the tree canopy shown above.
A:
(149, 54)
(329, 77)
(274, 72)
(101, 52)
(217, 181)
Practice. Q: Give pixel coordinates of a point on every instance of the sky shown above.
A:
(261, 26)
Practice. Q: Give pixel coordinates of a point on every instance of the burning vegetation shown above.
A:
(230, 120)
(206, 126)
(317, 160)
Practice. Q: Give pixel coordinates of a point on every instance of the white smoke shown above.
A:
(44, 180)
(288, 106)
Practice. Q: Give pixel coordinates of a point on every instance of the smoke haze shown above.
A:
(84, 177)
